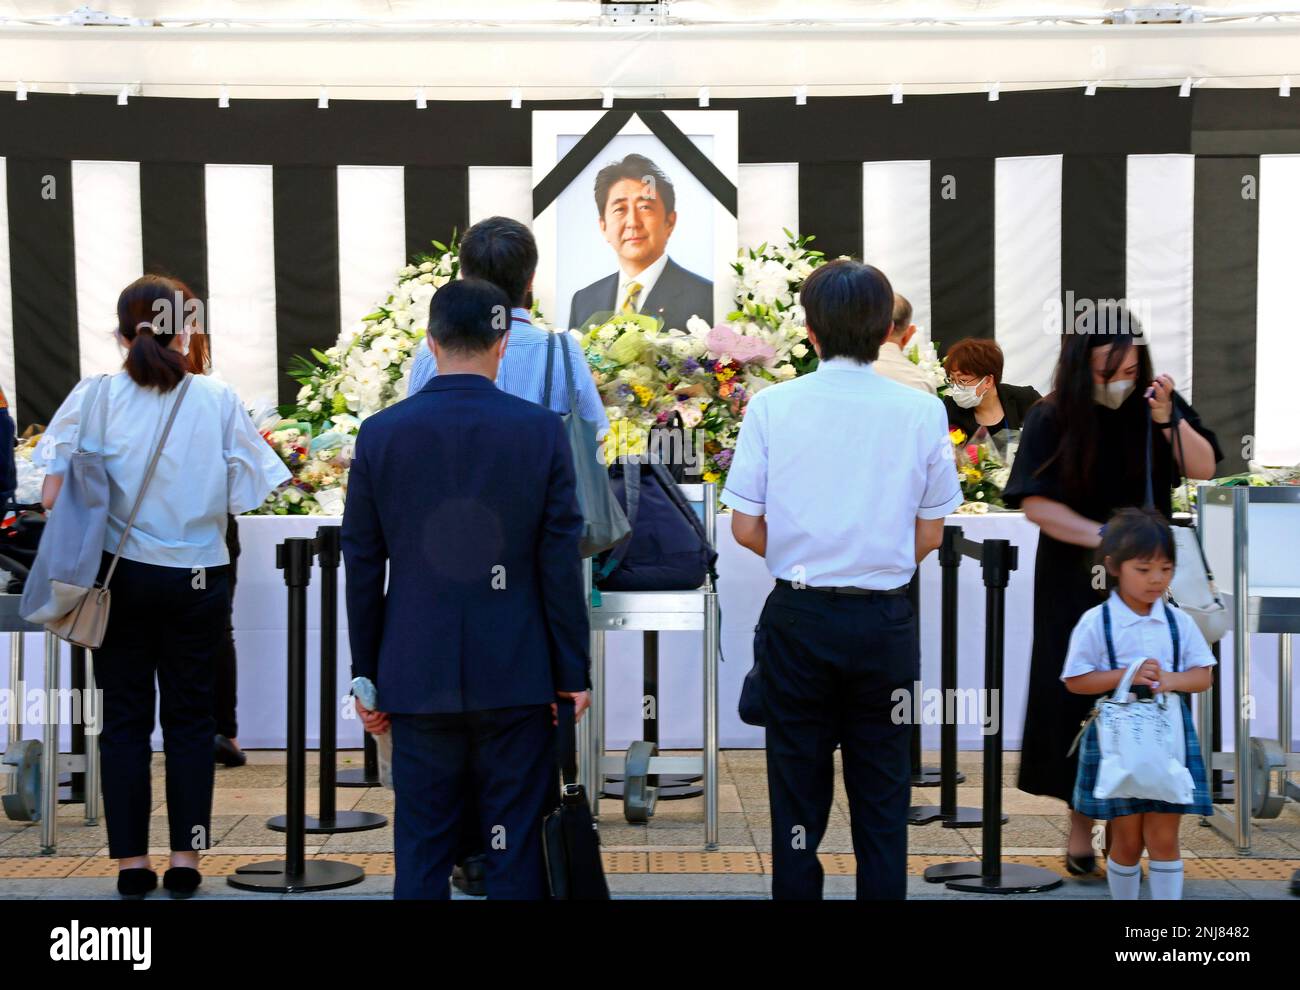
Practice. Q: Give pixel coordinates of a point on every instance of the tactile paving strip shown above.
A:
(683, 862)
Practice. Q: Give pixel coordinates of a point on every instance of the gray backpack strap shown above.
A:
(148, 476)
(568, 374)
(550, 363)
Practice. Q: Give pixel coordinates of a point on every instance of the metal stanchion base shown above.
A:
(1295, 883)
(356, 777)
(924, 814)
(932, 777)
(1014, 879)
(318, 874)
(343, 821)
(672, 787)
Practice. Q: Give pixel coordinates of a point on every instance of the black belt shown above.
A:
(862, 592)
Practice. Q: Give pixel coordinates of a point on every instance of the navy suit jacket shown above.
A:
(678, 294)
(466, 494)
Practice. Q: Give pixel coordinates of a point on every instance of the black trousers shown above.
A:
(498, 766)
(166, 624)
(830, 667)
(227, 682)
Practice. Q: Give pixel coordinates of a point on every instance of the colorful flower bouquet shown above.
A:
(982, 469)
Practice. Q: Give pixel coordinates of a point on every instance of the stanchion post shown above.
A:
(294, 557)
(947, 810)
(328, 556)
(997, 574)
(329, 820)
(294, 874)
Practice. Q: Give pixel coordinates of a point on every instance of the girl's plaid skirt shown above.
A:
(1106, 809)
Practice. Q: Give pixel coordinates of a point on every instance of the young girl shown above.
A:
(1138, 551)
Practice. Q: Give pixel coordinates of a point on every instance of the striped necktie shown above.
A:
(629, 301)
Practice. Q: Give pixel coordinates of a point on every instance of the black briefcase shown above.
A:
(569, 838)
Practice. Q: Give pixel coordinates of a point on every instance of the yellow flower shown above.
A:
(711, 476)
(957, 436)
(643, 393)
(624, 438)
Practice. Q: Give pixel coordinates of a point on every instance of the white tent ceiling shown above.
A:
(558, 49)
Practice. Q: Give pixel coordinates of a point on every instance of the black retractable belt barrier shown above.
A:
(330, 820)
(294, 874)
(947, 810)
(998, 558)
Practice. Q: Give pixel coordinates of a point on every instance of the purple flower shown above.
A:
(663, 364)
(690, 366)
(723, 459)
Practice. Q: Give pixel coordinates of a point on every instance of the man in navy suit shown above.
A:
(637, 207)
(465, 493)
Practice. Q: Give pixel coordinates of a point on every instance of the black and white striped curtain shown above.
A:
(289, 251)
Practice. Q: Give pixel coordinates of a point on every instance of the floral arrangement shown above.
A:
(646, 374)
(706, 375)
(981, 469)
(365, 371)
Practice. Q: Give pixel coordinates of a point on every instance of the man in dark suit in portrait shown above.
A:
(637, 207)
(465, 494)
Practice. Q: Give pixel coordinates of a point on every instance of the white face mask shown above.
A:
(1112, 394)
(966, 396)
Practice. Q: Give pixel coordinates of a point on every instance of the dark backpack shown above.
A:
(667, 549)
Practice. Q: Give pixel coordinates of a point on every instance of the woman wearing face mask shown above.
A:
(1082, 457)
(976, 395)
(170, 587)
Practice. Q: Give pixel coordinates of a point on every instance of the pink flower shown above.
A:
(722, 340)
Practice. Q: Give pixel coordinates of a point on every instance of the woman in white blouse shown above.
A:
(171, 588)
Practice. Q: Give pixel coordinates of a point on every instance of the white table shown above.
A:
(743, 584)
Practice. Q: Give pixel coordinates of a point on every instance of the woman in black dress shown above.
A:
(1082, 456)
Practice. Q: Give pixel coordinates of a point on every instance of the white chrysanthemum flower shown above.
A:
(314, 406)
(799, 350)
(426, 266)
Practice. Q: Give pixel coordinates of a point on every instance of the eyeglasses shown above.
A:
(965, 380)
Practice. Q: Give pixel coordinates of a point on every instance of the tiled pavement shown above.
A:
(662, 859)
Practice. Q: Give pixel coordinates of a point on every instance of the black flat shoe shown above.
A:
(182, 881)
(133, 884)
(228, 754)
(1081, 866)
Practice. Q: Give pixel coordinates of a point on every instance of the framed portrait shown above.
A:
(635, 228)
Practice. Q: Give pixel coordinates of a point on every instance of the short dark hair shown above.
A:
(637, 167)
(468, 316)
(849, 306)
(501, 251)
(902, 312)
(1136, 534)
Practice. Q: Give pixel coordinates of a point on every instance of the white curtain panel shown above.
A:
(372, 237)
(108, 254)
(1027, 267)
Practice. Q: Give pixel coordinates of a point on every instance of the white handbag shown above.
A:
(1192, 588)
(1143, 747)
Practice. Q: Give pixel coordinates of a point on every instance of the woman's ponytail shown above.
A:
(150, 361)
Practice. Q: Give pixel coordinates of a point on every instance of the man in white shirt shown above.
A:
(841, 480)
(893, 362)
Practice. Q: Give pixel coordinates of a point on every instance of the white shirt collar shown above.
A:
(1125, 616)
(647, 277)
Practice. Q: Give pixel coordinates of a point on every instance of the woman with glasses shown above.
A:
(976, 394)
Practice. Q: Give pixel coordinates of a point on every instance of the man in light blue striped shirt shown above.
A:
(503, 252)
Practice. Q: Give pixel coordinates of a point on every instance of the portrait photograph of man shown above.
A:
(637, 207)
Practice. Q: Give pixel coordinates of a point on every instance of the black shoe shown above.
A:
(133, 884)
(1081, 866)
(228, 754)
(468, 877)
(182, 881)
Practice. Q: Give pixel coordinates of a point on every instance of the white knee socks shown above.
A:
(1166, 880)
(1124, 881)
